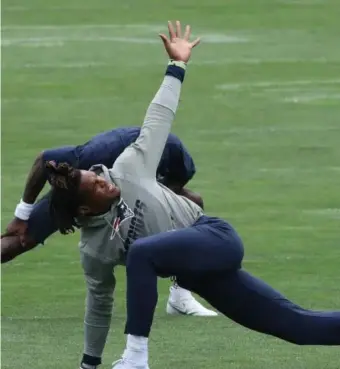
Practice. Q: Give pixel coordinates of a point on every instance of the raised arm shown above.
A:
(144, 155)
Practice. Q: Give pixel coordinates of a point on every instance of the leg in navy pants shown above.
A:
(206, 259)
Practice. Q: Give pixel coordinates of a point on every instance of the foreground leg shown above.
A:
(210, 246)
(189, 250)
(257, 306)
(181, 301)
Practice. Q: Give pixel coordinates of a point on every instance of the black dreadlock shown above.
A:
(65, 199)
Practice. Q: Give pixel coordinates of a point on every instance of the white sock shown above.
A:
(136, 349)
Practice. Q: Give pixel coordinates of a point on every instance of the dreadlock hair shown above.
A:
(65, 199)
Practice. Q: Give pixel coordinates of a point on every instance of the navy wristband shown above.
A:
(176, 70)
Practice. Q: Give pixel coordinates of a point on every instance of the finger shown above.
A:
(196, 42)
(187, 33)
(164, 39)
(171, 30)
(178, 29)
(7, 234)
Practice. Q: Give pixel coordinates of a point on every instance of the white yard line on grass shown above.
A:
(60, 41)
(333, 213)
(303, 89)
(255, 61)
(148, 27)
(264, 84)
(70, 33)
(141, 63)
(70, 100)
(269, 129)
(311, 98)
(295, 170)
(73, 65)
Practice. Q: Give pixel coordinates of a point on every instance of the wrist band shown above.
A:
(178, 63)
(176, 69)
(23, 210)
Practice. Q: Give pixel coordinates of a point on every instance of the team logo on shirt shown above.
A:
(137, 225)
(123, 213)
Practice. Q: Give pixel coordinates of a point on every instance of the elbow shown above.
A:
(39, 161)
(40, 158)
(193, 196)
(40, 166)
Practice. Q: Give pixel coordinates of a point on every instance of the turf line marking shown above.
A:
(212, 38)
(333, 213)
(269, 129)
(70, 100)
(60, 41)
(294, 170)
(140, 63)
(75, 65)
(263, 84)
(307, 99)
(149, 27)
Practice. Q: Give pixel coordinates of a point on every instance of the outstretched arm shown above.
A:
(144, 155)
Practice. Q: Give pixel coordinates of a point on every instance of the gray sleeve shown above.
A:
(143, 156)
(100, 283)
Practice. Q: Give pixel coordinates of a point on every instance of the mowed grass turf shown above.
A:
(260, 114)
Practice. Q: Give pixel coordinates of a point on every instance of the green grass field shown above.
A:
(260, 114)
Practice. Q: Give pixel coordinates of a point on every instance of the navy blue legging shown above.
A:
(206, 259)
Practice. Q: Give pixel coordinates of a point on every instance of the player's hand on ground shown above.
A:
(178, 46)
(17, 227)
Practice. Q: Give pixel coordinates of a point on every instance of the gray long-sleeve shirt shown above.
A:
(145, 208)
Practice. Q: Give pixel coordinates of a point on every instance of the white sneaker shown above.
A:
(124, 364)
(183, 302)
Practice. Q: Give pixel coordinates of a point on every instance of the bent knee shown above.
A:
(137, 251)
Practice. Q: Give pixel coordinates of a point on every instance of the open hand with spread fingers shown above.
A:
(178, 47)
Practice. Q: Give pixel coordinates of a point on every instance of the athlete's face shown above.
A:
(98, 194)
